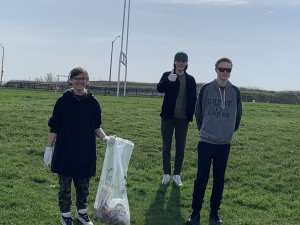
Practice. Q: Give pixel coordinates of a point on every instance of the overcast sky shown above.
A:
(52, 36)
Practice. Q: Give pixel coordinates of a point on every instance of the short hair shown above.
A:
(76, 71)
(224, 59)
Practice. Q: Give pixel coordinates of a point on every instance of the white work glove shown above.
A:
(48, 156)
(172, 76)
(109, 139)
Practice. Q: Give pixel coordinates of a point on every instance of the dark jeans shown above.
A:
(207, 154)
(167, 128)
(64, 195)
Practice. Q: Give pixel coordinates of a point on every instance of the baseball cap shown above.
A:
(181, 56)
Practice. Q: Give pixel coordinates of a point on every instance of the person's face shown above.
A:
(79, 82)
(223, 71)
(180, 64)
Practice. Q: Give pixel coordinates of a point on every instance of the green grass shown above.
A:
(262, 179)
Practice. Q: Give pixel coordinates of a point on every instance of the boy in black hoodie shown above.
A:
(218, 114)
(74, 125)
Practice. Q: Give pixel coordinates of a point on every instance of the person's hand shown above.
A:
(172, 76)
(48, 156)
(109, 139)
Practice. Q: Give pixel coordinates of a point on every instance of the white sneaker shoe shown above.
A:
(166, 179)
(66, 220)
(177, 180)
(84, 219)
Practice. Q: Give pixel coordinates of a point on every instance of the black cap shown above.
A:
(181, 56)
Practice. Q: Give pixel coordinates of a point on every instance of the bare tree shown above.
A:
(49, 77)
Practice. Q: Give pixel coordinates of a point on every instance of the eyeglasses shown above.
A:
(221, 69)
(79, 78)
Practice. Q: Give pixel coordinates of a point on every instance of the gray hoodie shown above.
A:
(218, 112)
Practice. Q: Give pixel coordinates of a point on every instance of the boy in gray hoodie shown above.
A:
(218, 114)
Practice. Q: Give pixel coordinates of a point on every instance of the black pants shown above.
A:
(167, 128)
(64, 195)
(207, 154)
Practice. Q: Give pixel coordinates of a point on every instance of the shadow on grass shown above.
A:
(165, 210)
(77, 222)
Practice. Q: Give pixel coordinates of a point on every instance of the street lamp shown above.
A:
(123, 55)
(111, 54)
(2, 63)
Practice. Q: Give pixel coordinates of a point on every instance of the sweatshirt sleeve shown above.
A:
(162, 85)
(55, 121)
(239, 111)
(97, 114)
(198, 108)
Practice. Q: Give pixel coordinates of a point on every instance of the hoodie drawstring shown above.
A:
(223, 98)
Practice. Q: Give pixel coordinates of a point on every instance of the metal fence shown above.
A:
(103, 90)
(248, 95)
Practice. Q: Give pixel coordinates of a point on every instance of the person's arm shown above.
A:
(193, 96)
(51, 139)
(198, 107)
(163, 83)
(198, 112)
(55, 126)
(239, 109)
(238, 115)
(100, 133)
(48, 150)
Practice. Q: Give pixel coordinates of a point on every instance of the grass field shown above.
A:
(262, 180)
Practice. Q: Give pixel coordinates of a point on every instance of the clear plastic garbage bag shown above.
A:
(111, 204)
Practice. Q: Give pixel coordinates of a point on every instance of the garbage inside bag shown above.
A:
(111, 204)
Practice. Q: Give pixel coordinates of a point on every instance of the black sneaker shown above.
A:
(214, 218)
(193, 220)
(66, 220)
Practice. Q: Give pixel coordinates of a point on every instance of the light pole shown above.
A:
(126, 48)
(2, 63)
(111, 55)
(123, 55)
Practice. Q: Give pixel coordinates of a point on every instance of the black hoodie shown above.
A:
(74, 120)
